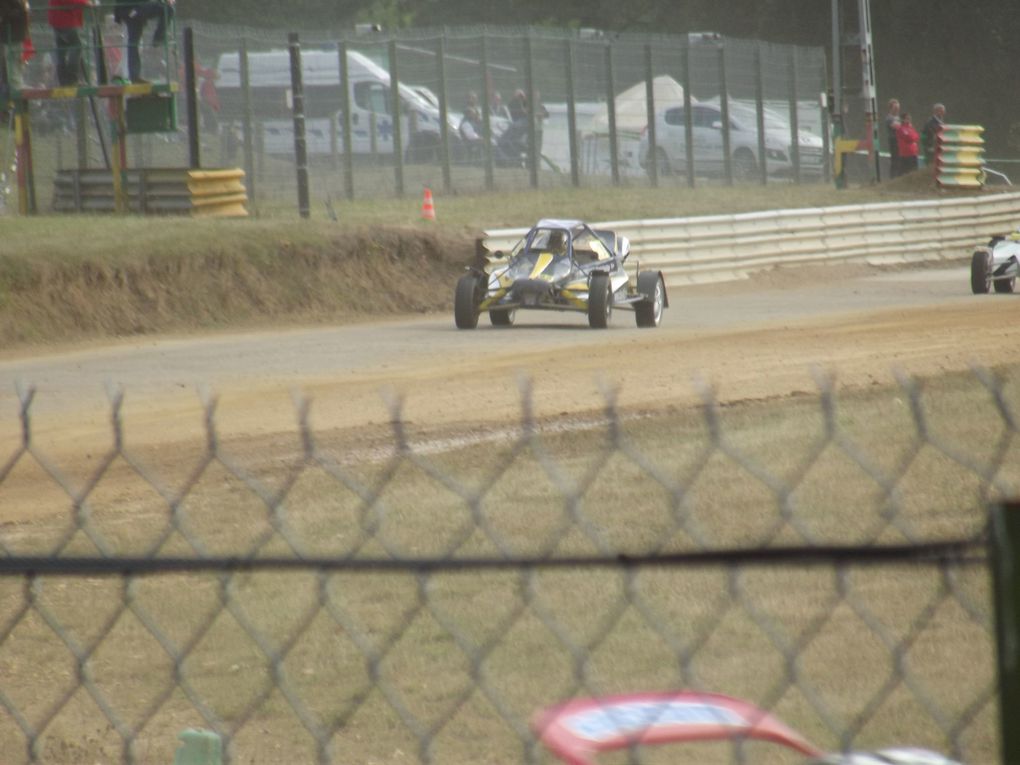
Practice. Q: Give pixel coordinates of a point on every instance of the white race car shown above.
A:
(996, 264)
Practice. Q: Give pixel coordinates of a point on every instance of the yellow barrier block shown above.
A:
(208, 188)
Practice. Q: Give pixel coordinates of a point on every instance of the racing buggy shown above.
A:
(577, 731)
(996, 264)
(561, 265)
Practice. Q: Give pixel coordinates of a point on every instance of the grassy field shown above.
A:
(375, 664)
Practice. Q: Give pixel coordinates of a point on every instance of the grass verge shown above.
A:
(374, 664)
(64, 278)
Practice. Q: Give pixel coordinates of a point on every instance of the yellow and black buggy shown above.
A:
(561, 265)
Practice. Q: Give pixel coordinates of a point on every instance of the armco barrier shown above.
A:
(722, 247)
(157, 191)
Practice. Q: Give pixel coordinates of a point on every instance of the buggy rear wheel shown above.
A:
(600, 301)
(502, 318)
(466, 300)
(648, 312)
(980, 272)
(1005, 285)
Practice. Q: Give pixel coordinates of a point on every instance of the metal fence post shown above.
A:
(334, 147)
(247, 123)
(724, 108)
(81, 127)
(688, 117)
(260, 149)
(529, 77)
(300, 145)
(444, 123)
(575, 171)
(345, 108)
(398, 133)
(759, 107)
(653, 147)
(191, 100)
(614, 154)
(486, 115)
(794, 118)
(1005, 557)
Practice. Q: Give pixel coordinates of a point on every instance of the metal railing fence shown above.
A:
(418, 597)
(752, 112)
(722, 247)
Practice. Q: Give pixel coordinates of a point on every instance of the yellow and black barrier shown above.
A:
(216, 193)
(959, 157)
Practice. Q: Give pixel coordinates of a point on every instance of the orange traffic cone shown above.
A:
(428, 209)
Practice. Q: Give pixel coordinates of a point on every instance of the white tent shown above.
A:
(632, 106)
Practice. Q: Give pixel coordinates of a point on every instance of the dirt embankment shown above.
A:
(347, 277)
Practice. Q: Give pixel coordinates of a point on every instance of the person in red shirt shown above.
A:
(907, 143)
(65, 16)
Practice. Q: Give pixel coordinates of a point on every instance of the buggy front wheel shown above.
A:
(980, 272)
(648, 312)
(465, 301)
(600, 301)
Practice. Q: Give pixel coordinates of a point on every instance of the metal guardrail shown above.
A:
(722, 247)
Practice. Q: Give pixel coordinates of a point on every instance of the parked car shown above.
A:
(369, 95)
(707, 142)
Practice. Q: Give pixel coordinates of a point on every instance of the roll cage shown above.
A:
(581, 243)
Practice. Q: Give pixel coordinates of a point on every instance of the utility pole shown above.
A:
(868, 85)
(862, 41)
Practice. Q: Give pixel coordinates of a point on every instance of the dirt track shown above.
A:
(749, 340)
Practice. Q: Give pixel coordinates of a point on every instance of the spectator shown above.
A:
(65, 18)
(134, 14)
(113, 49)
(471, 130)
(497, 108)
(892, 124)
(518, 106)
(209, 101)
(14, 32)
(906, 138)
(930, 132)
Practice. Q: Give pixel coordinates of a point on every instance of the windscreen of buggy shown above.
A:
(587, 242)
(542, 242)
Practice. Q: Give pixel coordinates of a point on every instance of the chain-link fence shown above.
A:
(620, 108)
(416, 596)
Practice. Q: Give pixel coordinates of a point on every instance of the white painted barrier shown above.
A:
(723, 247)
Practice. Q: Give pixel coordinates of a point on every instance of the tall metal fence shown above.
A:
(620, 108)
(419, 597)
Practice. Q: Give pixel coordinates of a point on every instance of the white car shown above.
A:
(709, 159)
(996, 265)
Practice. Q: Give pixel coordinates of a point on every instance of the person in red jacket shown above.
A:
(65, 16)
(907, 143)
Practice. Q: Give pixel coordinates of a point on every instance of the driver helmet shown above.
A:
(557, 242)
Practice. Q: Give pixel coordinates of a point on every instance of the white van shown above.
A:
(370, 100)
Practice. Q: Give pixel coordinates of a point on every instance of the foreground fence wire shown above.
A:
(322, 598)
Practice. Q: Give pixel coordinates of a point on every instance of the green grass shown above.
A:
(72, 236)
